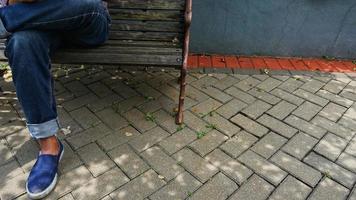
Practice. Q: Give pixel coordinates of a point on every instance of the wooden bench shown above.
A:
(143, 33)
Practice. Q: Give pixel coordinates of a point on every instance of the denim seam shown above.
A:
(43, 122)
(70, 18)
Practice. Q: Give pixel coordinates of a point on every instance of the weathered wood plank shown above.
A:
(148, 4)
(127, 50)
(131, 25)
(130, 43)
(137, 43)
(138, 14)
(112, 58)
(140, 35)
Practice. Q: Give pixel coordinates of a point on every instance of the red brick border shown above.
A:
(271, 63)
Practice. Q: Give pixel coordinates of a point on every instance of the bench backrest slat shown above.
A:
(153, 36)
(141, 14)
(158, 26)
(149, 4)
(148, 20)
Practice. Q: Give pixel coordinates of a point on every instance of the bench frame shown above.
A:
(184, 69)
(183, 60)
(184, 65)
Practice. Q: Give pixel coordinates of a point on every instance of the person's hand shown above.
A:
(23, 1)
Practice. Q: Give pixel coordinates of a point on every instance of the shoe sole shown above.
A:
(48, 189)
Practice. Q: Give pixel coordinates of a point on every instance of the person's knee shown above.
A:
(21, 43)
(23, 50)
(90, 5)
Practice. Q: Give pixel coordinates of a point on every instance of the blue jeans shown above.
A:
(37, 30)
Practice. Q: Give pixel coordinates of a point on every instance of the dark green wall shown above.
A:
(308, 28)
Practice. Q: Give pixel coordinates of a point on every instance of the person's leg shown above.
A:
(87, 20)
(28, 49)
(28, 53)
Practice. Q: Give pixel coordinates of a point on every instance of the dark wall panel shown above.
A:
(308, 28)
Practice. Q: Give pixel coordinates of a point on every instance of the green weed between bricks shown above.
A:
(180, 127)
(149, 98)
(4, 66)
(150, 117)
(211, 126)
(201, 134)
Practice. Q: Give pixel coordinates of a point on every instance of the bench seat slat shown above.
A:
(127, 50)
(114, 58)
(135, 43)
(166, 46)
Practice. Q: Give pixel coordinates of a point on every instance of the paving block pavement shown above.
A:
(252, 136)
(219, 187)
(183, 186)
(297, 168)
(329, 190)
(234, 169)
(129, 161)
(291, 188)
(140, 187)
(238, 144)
(263, 167)
(162, 163)
(249, 190)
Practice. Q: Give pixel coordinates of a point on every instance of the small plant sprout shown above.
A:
(4, 66)
(201, 134)
(189, 193)
(297, 78)
(180, 127)
(149, 98)
(149, 117)
(211, 113)
(327, 174)
(211, 126)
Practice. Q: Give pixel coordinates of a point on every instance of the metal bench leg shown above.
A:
(183, 74)
(178, 79)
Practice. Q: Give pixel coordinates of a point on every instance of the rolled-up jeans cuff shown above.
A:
(3, 32)
(44, 130)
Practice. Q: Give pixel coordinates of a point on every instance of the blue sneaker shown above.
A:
(43, 176)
